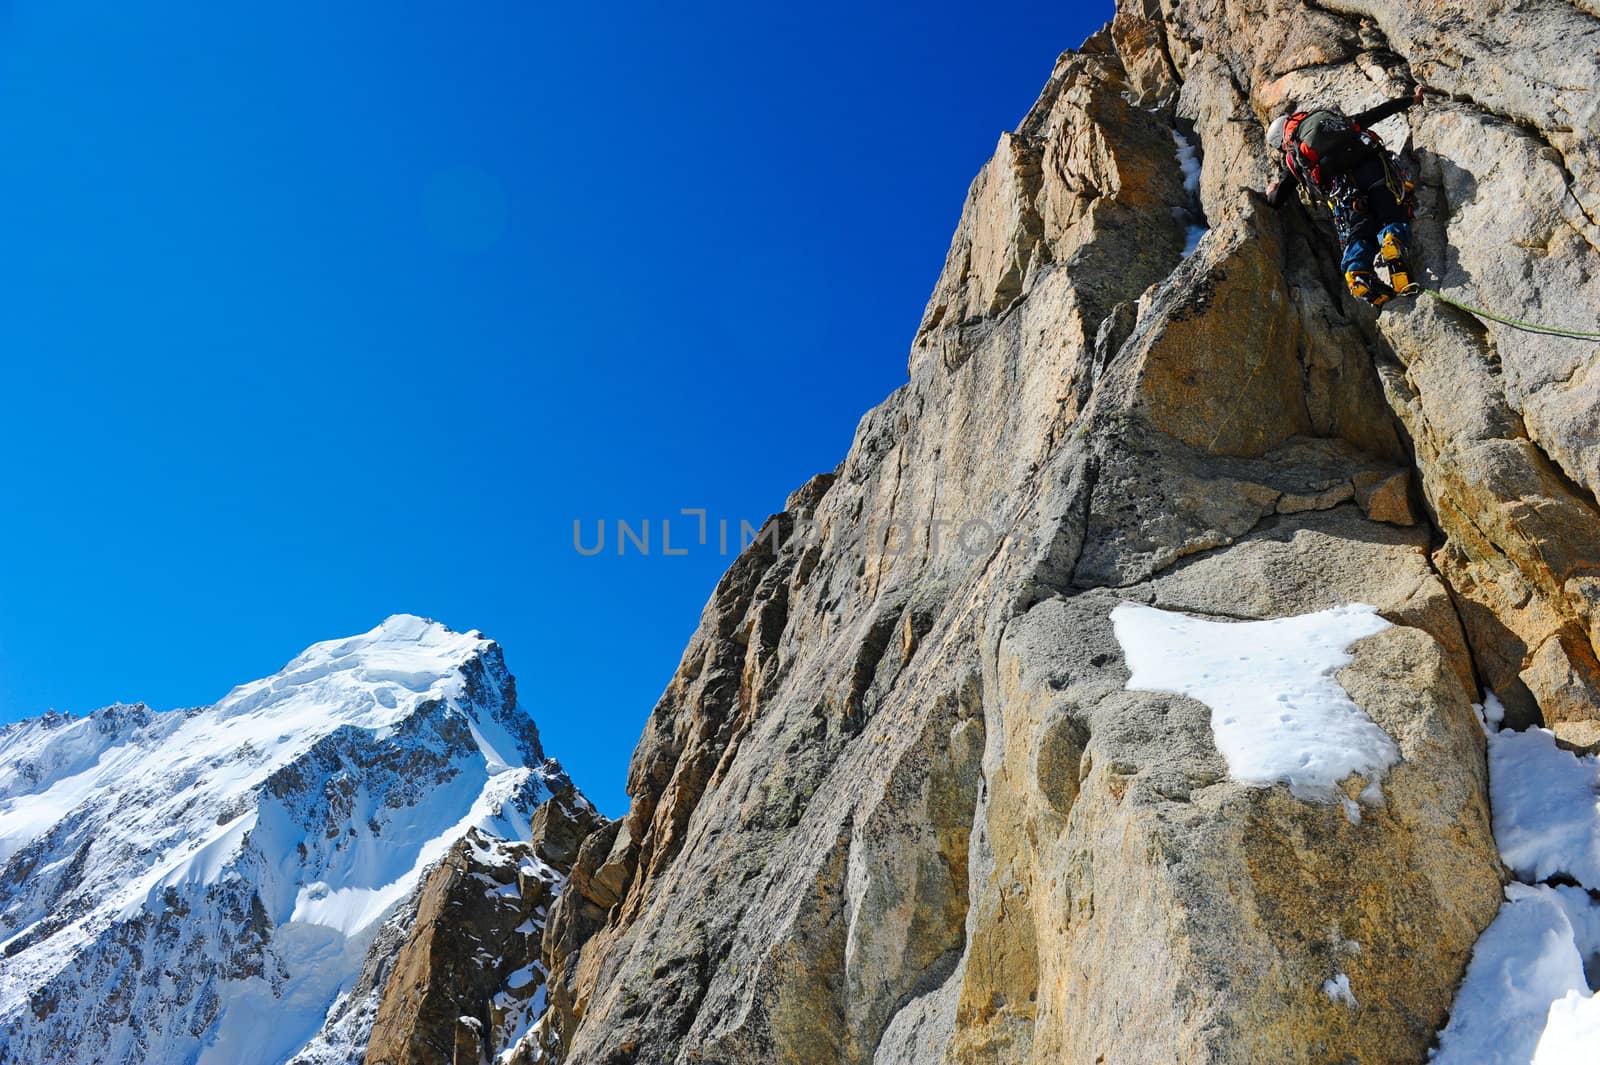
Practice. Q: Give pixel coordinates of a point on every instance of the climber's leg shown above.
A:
(1392, 241)
(1387, 198)
(1359, 237)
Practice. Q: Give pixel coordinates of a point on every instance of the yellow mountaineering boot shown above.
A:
(1365, 285)
(1393, 258)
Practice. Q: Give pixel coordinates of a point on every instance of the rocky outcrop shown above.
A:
(1503, 422)
(1172, 914)
(897, 806)
(467, 982)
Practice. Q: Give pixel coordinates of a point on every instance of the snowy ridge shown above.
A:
(202, 885)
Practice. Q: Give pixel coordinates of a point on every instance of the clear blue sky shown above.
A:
(317, 313)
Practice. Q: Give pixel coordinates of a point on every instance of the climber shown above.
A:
(1339, 159)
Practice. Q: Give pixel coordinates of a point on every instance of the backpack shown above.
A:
(1318, 146)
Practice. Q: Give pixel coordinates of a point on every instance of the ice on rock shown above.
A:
(1189, 163)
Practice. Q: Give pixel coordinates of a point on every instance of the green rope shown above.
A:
(1515, 323)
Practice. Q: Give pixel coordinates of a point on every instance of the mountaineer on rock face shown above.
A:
(1338, 158)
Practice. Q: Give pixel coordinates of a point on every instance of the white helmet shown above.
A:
(1275, 133)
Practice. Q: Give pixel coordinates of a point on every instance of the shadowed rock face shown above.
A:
(896, 805)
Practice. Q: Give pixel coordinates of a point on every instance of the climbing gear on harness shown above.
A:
(1366, 285)
(1398, 180)
(1515, 323)
(1337, 160)
(1394, 258)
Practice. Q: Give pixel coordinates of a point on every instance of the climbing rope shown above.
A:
(1515, 323)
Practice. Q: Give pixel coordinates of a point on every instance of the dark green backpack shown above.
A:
(1320, 145)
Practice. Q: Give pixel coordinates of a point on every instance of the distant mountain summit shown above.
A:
(235, 883)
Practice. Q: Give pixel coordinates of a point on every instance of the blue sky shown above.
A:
(319, 313)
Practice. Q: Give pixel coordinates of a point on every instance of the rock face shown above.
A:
(896, 805)
(467, 982)
(262, 880)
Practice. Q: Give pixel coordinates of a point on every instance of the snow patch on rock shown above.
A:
(1546, 804)
(1572, 1031)
(1278, 713)
(1338, 990)
(1525, 961)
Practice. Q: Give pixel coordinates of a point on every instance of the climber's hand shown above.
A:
(1417, 93)
(1272, 191)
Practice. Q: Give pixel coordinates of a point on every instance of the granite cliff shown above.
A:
(900, 802)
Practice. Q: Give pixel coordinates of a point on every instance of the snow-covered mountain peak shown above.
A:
(373, 679)
(257, 841)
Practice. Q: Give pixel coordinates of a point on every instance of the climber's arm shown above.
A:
(1368, 118)
(1282, 187)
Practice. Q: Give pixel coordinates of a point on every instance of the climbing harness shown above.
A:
(1398, 180)
(1515, 323)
